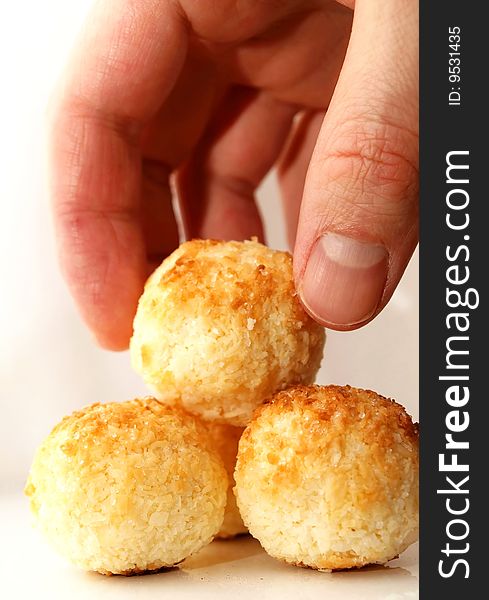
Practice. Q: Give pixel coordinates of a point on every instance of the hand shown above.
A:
(208, 96)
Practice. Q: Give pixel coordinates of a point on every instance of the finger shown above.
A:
(167, 141)
(124, 67)
(293, 167)
(159, 227)
(358, 223)
(217, 185)
(298, 59)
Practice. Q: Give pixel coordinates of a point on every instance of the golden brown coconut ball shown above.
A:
(127, 487)
(219, 327)
(225, 439)
(327, 477)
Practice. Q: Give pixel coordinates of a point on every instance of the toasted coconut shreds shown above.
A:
(225, 439)
(128, 487)
(219, 327)
(327, 477)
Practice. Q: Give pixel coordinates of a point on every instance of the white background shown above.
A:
(49, 364)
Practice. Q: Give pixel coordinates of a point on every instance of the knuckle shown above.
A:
(74, 118)
(83, 260)
(374, 165)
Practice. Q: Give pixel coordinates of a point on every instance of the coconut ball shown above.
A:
(127, 487)
(219, 327)
(225, 439)
(327, 477)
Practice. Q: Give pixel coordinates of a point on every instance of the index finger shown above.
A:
(123, 68)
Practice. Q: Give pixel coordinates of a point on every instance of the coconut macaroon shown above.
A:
(327, 477)
(219, 327)
(126, 488)
(225, 439)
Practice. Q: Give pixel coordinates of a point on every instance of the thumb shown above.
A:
(358, 223)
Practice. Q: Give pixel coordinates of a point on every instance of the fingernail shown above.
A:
(344, 280)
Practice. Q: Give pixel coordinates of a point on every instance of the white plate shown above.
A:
(237, 569)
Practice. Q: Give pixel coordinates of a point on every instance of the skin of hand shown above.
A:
(202, 99)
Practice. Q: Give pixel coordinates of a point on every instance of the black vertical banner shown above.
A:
(454, 159)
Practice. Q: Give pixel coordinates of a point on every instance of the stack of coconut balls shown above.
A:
(323, 477)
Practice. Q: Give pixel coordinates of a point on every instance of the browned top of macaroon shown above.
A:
(100, 421)
(252, 270)
(95, 415)
(346, 402)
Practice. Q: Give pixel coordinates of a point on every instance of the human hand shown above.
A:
(211, 95)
